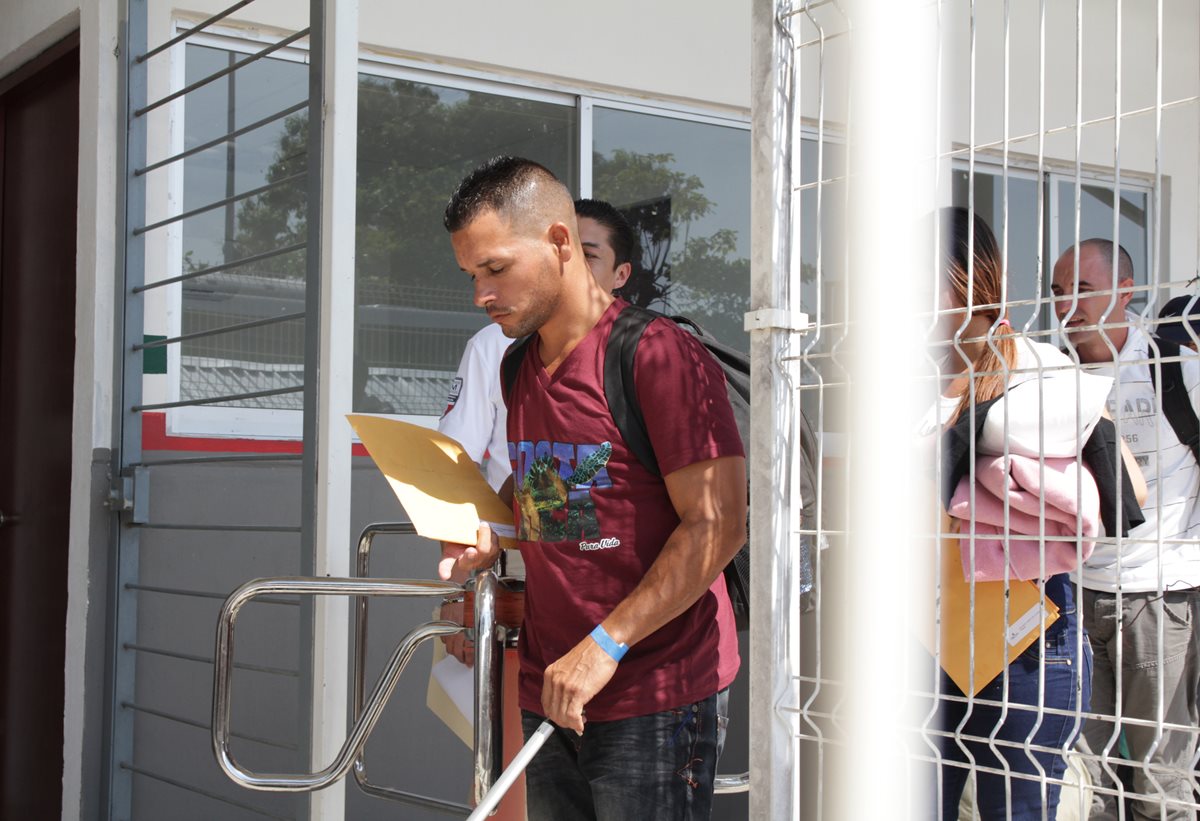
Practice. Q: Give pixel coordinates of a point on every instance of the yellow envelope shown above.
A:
(441, 489)
(996, 643)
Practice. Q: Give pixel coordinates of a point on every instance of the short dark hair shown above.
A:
(620, 233)
(498, 185)
(1105, 248)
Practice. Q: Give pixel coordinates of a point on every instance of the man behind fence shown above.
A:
(1152, 585)
(627, 616)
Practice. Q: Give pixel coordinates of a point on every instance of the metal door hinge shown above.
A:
(130, 494)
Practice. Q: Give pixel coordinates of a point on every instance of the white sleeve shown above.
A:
(470, 414)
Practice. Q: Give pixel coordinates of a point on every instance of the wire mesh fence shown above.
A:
(1051, 616)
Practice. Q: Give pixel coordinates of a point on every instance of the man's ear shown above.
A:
(622, 274)
(1125, 294)
(560, 238)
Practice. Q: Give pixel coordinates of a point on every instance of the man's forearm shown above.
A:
(692, 558)
(710, 498)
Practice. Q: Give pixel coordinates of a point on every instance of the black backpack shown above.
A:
(1176, 404)
(627, 414)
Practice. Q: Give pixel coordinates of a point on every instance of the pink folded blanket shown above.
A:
(1068, 488)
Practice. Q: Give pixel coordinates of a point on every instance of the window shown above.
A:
(1095, 220)
(264, 357)
(415, 308)
(683, 177)
(1021, 253)
(685, 187)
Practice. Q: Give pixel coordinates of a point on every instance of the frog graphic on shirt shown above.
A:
(553, 489)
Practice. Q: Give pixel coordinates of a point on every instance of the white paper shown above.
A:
(458, 680)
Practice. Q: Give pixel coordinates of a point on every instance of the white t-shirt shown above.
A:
(475, 414)
(1171, 474)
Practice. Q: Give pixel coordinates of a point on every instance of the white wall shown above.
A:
(1029, 83)
(1140, 129)
(689, 50)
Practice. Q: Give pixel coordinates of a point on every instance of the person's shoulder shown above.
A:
(1031, 353)
(491, 335)
(489, 343)
(664, 327)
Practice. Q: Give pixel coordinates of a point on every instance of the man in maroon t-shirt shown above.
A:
(627, 617)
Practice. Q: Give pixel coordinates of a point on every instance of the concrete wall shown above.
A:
(698, 52)
(1139, 131)
(823, 73)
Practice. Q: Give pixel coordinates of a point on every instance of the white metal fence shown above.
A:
(1036, 651)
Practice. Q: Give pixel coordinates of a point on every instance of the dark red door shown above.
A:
(39, 136)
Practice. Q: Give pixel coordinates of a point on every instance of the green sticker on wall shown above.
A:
(154, 360)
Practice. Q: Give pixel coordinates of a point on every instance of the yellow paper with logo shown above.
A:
(996, 642)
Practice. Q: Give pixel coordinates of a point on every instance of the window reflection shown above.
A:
(414, 307)
(685, 186)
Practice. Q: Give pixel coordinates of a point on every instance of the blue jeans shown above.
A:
(1067, 684)
(655, 767)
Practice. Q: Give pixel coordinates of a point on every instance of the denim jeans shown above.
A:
(655, 767)
(1067, 684)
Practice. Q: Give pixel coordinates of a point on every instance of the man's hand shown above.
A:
(459, 560)
(572, 681)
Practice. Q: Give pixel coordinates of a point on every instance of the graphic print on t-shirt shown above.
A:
(553, 488)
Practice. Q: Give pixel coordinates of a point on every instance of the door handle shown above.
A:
(8, 518)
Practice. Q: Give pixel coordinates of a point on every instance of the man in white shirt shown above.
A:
(1148, 581)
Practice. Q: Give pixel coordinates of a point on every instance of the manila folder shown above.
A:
(441, 489)
(995, 642)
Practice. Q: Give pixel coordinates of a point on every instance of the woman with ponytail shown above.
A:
(1015, 733)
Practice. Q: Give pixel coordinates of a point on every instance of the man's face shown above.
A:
(1096, 303)
(517, 276)
(600, 257)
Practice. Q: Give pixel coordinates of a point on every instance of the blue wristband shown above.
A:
(616, 650)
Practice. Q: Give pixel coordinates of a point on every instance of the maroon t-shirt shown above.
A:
(591, 520)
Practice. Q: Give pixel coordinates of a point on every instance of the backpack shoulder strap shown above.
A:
(510, 365)
(619, 388)
(1177, 405)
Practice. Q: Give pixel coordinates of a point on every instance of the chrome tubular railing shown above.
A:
(488, 670)
(366, 719)
(725, 784)
(489, 661)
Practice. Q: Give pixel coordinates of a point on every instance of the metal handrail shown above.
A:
(365, 722)
(489, 660)
(358, 687)
(488, 671)
(725, 784)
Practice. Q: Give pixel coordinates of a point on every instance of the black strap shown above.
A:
(1176, 403)
(510, 365)
(619, 388)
